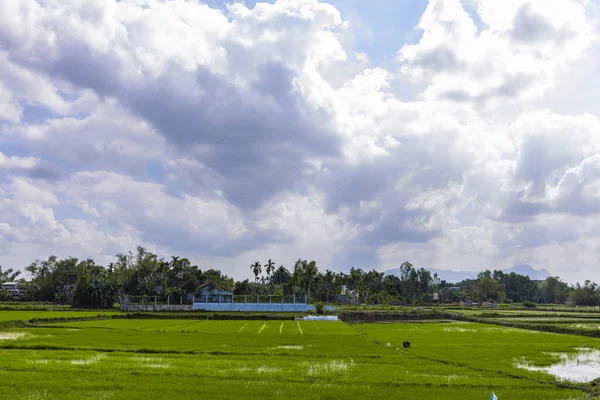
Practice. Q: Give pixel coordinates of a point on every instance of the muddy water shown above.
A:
(581, 366)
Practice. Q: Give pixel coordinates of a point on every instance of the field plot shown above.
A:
(588, 325)
(223, 327)
(483, 347)
(141, 359)
(29, 315)
(524, 313)
(552, 320)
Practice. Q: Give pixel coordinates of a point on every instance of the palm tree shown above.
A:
(329, 280)
(309, 275)
(256, 270)
(270, 268)
(281, 271)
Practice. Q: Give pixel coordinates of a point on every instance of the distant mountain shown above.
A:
(535, 274)
(457, 276)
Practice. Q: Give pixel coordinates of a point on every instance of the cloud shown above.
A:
(106, 137)
(10, 111)
(552, 151)
(219, 90)
(516, 56)
(205, 225)
(228, 134)
(29, 166)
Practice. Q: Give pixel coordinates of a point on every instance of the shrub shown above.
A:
(529, 304)
(320, 307)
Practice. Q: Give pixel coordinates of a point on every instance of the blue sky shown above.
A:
(381, 26)
(455, 135)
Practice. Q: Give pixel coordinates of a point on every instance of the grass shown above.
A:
(18, 315)
(61, 374)
(482, 347)
(33, 306)
(191, 357)
(526, 313)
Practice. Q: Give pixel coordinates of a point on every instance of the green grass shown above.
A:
(140, 359)
(18, 315)
(32, 306)
(595, 325)
(478, 346)
(524, 313)
(169, 358)
(60, 374)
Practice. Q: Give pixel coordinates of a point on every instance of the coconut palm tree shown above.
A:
(256, 270)
(270, 268)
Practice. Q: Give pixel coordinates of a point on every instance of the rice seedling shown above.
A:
(180, 358)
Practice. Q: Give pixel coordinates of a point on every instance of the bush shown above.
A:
(320, 307)
(529, 304)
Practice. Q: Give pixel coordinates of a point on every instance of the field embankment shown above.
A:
(556, 325)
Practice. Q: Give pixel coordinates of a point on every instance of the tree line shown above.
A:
(83, 283)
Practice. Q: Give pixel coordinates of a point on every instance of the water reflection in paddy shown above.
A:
(581, 366)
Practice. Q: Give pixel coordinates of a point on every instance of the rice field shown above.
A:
(590, 325)
(224, 359)
(526, 313)
(29, 315)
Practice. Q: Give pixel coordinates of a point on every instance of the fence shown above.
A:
(251, 303)
(248, 299)
(155, 303)
(216, 302)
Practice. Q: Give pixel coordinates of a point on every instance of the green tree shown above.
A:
(53, 279)
(586, 295)
(553, 291)
(281, 275)
(256, 270)
(489, 288)
(329, 284)
(270, 269)
(5, 294)
(242, 288)
(309, 274)
(217, 279)
(8, 275)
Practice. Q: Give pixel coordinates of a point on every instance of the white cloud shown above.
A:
(523, 45)
(549, 144)
(227, 134)
(18, 163)
(108, 137)
(29, 166)
(9, 110)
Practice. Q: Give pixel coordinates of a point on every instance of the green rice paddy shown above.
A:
(29, 315)
(224, 359)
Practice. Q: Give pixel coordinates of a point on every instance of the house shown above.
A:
(348, 296)
(206, 293)
(468, 303)
(12, 288)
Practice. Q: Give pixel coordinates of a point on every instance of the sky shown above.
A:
(454, 135)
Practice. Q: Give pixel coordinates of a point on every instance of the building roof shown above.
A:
(213, 290)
